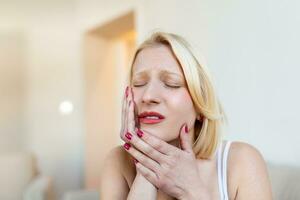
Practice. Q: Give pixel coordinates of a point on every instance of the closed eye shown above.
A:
(138, 85)
(172, 86)
(166, 85)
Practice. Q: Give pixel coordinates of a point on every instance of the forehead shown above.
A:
(156, 58)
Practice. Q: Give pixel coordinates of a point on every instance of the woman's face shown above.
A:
(159, 86)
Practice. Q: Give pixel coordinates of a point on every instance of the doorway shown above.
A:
(108, 50)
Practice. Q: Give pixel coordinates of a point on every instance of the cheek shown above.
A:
(183, 109)
(181, 101)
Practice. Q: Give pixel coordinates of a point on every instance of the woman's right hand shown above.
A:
(129, 114)
(141, 188)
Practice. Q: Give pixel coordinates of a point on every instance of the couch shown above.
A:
(20, 179)
(285, 181)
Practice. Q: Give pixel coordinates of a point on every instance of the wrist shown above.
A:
(142, 180)
(141, 188)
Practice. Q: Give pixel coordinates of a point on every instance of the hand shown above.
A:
(170, 169)
(129, 119)
(141, 188)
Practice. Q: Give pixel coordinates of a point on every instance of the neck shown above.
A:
(176, 142)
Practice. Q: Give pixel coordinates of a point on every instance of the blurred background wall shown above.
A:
(40, 68)
(12, 62)
(78, 51)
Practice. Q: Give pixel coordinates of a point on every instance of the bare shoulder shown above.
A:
(247, 172)
(118, 159)
(114, 174)
(246, 152)
(245, 158)
(117, 156)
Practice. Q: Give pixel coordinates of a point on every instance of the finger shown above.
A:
(156, 143)
(185, 139)
(136, 119)
(130, 113)
(146, 161)
(124, 116)
(132, 94)
(127, 120)
(147, 173)
(135, 110)
(145, 148)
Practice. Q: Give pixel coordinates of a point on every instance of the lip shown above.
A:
(144, 120)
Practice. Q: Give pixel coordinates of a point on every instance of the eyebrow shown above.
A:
(162, 72)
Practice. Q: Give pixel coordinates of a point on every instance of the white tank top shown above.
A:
(222, 170)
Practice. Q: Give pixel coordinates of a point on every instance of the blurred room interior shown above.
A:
(64, 67)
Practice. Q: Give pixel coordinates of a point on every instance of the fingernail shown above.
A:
(127, 146)
(135, 160)
(128, 136)
(126, 92)
(140, 133)
(186, 129)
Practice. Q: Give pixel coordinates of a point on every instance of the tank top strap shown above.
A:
(222, 170)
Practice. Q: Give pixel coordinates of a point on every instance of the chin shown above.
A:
(156, 131)
(159, 133)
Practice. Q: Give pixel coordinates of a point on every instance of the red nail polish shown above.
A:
(186, 129)
(126, 92)
(127, 146)
(128, 136)
(140, 133)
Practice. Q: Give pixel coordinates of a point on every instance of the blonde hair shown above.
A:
(199, 83)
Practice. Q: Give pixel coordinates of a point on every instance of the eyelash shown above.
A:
(169, 86)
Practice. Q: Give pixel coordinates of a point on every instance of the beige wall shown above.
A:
(106, 65)
(50, 45)
(12, 69)
(54, 75)
(94, 13)
(100, 112)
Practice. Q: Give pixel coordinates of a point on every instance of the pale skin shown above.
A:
(167, 167)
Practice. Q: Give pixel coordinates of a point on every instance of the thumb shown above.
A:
(185, 141)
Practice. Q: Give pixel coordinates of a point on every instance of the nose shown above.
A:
(151, 94)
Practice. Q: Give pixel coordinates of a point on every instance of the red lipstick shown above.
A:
(150, 117)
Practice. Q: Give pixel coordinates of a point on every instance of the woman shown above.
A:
(172, 129)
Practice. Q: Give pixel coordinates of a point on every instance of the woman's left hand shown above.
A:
(171, 169)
